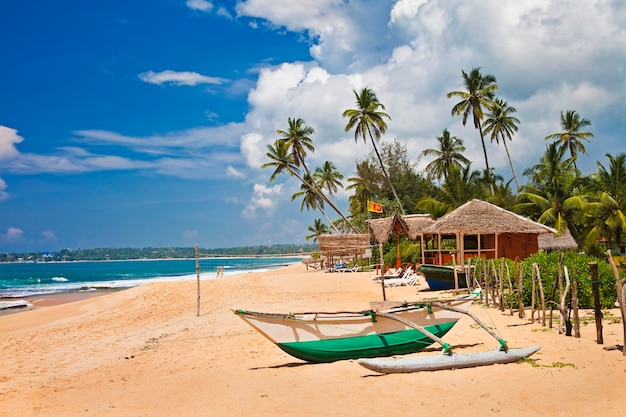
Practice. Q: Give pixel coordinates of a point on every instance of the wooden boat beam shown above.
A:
(503, 345)
(446, 346)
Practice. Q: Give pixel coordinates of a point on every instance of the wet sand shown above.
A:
(144, 351)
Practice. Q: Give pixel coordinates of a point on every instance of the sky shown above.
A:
(145, 123)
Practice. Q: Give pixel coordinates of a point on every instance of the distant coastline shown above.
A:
(150, 253)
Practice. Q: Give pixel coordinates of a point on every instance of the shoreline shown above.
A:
(147, 351)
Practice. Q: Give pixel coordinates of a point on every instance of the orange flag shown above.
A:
(374, 207)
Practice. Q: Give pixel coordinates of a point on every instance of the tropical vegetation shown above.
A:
(552, 191)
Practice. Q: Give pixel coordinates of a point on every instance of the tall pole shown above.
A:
(198, 277)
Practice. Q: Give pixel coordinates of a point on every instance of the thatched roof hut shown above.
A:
(564, 242)
(477, 216)
(351, 246)
(410, 225)
(481, 229)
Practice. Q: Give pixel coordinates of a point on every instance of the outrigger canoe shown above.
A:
(329, 337)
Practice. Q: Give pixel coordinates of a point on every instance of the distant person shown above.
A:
(220, 272)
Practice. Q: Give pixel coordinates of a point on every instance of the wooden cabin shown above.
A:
(481, 229)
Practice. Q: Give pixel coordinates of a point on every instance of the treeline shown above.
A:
(117, 254)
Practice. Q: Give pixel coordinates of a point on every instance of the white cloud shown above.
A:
(8, 139)
(178, 78)
(201, 5)
(264, 199)
(49, 235)
(3, 194)
(234, 173)
(12, 235)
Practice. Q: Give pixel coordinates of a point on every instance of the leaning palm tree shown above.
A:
(368, 121)
(500, 123)
(328, 178)
(363, 186)
(571, 137)
(448, 155)
(283, 162)
(310, 199)
(480, 90)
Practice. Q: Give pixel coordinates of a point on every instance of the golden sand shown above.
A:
(145, 352)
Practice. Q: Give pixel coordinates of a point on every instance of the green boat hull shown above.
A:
(369, 346)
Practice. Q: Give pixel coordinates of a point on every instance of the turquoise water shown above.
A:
(27, 279)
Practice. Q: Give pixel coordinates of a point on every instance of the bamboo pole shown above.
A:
(502, 285)
(382, 270)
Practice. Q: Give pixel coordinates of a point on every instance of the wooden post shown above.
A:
(456, 273)
(563, 309)
(595, 286)
(520, 285)
(575, 305)
(543, 298)
(382, 270)
(620, 286)
(198, 277)
(532, 295)
(502, 285)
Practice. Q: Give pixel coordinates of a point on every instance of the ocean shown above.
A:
(19, 280)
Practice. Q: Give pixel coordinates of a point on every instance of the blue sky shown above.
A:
(144, 123)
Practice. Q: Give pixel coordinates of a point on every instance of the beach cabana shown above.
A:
(411, 226)
(481, 229)
(345, 246)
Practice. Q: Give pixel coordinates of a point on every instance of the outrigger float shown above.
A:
(447, 359)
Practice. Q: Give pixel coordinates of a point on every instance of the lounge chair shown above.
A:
(397, 274)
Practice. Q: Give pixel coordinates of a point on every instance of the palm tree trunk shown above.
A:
(488, 173)
(321, 194)
(506, 148)
(382, 166)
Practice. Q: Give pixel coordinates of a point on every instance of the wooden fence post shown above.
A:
(575, 305)
(595, 286)
(620, 286)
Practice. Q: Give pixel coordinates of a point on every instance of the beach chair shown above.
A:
(408, 278)
(389, 275)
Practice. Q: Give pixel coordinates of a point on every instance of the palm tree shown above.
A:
(328, 178)
(318, 228)
(296, 138)
(609, 211)
(480, 90)
(364, 188)
(310, 199)
(282, 161)
(552, 196)
(448, 155)
(368, 120)
(500, 123)
(571, 137)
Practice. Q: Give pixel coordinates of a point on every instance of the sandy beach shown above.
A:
(145, 352)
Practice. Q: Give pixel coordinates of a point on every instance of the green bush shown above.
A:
(578, 268)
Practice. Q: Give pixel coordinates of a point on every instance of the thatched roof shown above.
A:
(410, 225)
(564, 242)
(480, 217)
(343, 245)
